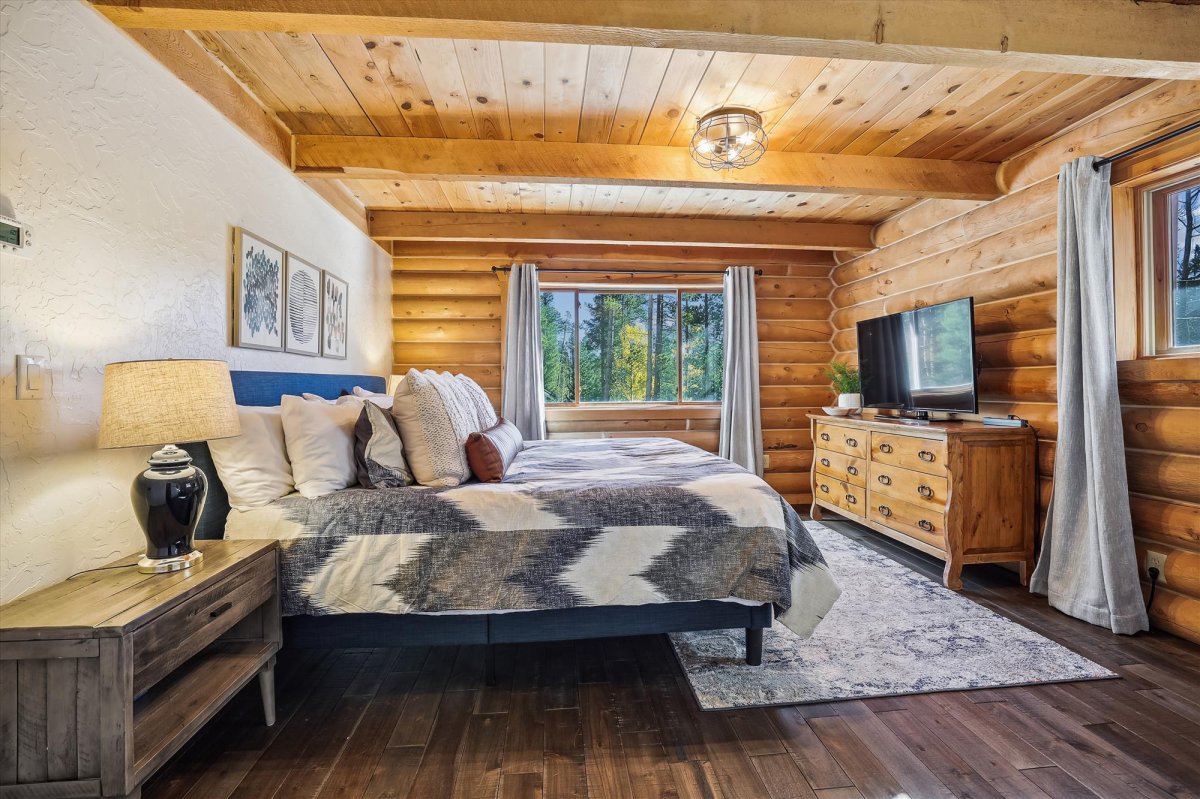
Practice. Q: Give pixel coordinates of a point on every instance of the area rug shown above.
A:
(892, 632)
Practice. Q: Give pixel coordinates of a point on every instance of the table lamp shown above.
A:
(148, 403)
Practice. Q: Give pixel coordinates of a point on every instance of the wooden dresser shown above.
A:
(105, 676)
(960, 491)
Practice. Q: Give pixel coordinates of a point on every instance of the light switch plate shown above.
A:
(31, 377)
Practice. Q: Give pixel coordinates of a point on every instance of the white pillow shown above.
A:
(382, 400)
(477, 398)
(320, 443)
(434, 424)
(254, 466)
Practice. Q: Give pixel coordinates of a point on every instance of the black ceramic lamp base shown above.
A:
(167, 500)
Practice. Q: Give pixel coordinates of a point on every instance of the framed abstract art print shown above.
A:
(335, 317)
(258, 293)
(302, 325)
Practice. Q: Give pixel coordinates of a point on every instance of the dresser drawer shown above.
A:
(845, 440)
(926, 490)
(846, 468)
(922, 454)
(919, 522)
(167, 641)
(850, 498)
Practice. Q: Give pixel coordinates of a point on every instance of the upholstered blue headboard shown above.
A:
(265, 388)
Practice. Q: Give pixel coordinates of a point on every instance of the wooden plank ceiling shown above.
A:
(531, 91)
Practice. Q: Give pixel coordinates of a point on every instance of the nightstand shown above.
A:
(105, 676)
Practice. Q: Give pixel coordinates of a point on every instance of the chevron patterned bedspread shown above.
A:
(575, 523)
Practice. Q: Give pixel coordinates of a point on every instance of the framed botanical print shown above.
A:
(302, 325)
(258, 292)
(335, 316)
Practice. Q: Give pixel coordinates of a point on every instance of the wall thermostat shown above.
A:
(15, 237)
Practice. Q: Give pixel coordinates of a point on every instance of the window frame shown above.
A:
(1158, 242)
(678, 291)
(1139, 330)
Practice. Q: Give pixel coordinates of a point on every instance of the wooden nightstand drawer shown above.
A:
(909, 452)
(175, 636)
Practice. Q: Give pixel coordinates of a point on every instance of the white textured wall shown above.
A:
(132, 184)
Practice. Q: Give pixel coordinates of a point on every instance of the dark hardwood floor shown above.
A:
(615, 718)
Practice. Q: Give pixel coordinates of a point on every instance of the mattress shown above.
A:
(575, 523)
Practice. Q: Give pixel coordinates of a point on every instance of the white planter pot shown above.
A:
(849, 400)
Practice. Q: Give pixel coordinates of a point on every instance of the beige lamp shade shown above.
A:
(151, 403)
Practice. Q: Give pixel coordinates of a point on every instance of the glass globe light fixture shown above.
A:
(729, 138)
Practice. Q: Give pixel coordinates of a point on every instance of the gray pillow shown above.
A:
(378, 450)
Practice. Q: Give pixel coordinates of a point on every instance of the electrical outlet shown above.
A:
(766, 460)
(1157, 560)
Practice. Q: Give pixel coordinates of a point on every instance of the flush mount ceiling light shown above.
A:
(729, 138)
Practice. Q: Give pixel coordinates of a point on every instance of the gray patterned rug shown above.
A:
(892, 632)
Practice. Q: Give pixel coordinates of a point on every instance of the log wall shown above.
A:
(1003, 253)
(447, 312)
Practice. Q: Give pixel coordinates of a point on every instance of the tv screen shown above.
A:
(920, 360)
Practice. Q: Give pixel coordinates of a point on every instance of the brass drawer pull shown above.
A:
(824, 488)
(926, 526)
(885, 448)
(885, 510)
(925, 455)
(883, 478)
(925, 491)
(852, 470)
(221, 610)
(853, 500)
(852, 442)
(824, 436)
(824, 461)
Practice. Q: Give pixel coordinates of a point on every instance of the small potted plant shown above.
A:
(844, 379)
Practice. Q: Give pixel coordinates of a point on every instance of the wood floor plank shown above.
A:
(563, 772)
(477, 767)
(783, 778)
(435, 775)
(416, 722)
(604, 759)
(897, 758)
(869, 776)
(649, 769)
(354, 769)
(695, 779)
(819, 766)
(951, 769)
(522, 786)
(526, 741)
(1057, 783)
(394, 772)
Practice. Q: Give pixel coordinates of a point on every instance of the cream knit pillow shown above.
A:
(434, 424)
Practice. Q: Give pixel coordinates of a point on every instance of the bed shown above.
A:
(584, 538)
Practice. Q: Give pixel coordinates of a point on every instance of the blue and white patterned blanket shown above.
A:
(575, 523)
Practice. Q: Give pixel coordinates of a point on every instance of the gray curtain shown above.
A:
(1088, 567)
(741, 417)
(522, 399)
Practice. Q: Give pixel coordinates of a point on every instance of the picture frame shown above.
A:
(302, 307)
(258, 292)
(335, 317)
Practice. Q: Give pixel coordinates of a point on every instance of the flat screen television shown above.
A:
(921, 360)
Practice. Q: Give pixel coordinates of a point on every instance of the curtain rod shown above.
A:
(1145, 145)
(644, 271)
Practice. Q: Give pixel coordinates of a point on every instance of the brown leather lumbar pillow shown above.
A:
(491, 451)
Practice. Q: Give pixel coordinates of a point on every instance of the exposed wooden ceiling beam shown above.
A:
(502, 252)
(584, 229)
(187, 59)
(1099, 37)
(631, 164)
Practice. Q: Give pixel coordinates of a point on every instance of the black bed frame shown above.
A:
(387, 630)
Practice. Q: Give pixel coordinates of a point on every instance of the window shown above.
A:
(1172, 241)
(629, 346)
